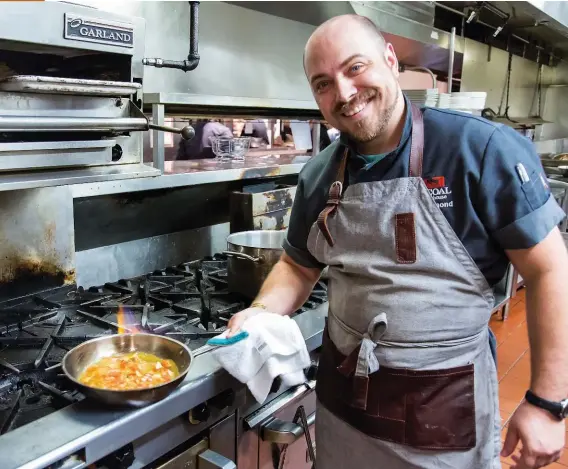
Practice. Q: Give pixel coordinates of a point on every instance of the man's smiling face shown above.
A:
(353, 76)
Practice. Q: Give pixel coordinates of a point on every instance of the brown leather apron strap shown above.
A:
(360, 383)
(336, 189)
(417, 143)
(335, 192)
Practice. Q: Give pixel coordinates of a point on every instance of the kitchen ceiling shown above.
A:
(527, 27)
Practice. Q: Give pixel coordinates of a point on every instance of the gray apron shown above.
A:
(406, 377)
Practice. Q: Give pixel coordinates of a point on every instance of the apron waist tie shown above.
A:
(362, 360)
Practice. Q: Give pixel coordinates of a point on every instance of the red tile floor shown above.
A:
(513, 366)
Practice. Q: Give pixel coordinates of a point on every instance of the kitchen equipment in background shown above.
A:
(252, 254)
(527, 133)
(427, 97)
(83, 355)
(77, 117)
(472, 102)
(230, 149)
(261, 207)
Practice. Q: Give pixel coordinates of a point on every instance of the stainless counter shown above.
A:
(92, 431)
(195, 172)
(94, 175)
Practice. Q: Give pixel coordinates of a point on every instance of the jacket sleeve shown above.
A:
(515, 202)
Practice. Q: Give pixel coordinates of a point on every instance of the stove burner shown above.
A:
(189, 302)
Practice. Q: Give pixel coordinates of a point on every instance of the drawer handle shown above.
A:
(212, 460)
(285, 433)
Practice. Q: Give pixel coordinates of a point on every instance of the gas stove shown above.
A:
(189, 302)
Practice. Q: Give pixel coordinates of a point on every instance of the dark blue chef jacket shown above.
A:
(470, 165)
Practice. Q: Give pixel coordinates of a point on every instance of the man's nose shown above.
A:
(345, 90)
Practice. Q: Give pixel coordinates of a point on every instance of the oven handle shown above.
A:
(264, 413)
(284, 433)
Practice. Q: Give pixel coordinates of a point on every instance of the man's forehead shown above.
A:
(330, 51)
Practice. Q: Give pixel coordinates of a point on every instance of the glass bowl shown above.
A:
(228, 149)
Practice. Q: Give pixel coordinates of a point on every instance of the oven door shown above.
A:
(277, 430)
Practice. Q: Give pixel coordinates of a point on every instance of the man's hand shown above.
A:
(541, 435)
(237, 320)
(285, 289)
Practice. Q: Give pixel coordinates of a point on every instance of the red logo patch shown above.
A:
(436, 182)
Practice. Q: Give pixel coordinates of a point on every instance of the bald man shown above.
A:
(418, 214)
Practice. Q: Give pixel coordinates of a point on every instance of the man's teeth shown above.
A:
(355, 110)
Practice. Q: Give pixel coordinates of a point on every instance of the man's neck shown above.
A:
(390, 137)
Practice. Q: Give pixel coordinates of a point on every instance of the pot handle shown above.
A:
(241, 255)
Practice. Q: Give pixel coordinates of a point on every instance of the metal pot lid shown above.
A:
(258, 239)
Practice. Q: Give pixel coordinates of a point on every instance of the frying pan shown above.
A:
(79, 358)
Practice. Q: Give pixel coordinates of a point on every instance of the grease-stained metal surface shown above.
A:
(267, 210)
(37, 249)
(196, 172)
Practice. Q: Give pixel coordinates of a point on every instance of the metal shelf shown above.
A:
(196, 172)
(231, 106)
(521, 122)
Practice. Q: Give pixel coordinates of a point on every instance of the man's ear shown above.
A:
(390, 59)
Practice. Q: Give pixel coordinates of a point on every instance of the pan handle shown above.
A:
(241, 255)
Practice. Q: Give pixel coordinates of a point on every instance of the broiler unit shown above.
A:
(70, 95)
(48, 122)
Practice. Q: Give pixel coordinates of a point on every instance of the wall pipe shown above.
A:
(423, 69)
(192, 60)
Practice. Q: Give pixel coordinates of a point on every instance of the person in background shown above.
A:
(200, 146)
(258, 132)
(286, 137)
(417, 213)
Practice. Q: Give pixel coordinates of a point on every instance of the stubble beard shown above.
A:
(365, 133)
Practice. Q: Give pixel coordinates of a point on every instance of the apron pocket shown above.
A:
(429, 410)
(440, 409)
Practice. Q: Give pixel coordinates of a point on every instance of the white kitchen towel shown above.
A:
(275, 347)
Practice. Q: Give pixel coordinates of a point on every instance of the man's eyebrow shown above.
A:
(343, 64)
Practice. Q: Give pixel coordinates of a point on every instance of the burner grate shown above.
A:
(190, 302)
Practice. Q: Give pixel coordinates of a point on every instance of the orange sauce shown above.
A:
(130, 371)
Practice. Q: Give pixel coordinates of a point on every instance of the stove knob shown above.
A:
(312, 371)
(199, 414)
(223, 400)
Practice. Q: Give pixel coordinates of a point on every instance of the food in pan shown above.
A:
(129, 371)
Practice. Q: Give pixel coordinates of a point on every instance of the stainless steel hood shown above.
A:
(409, 26)
(552, 18)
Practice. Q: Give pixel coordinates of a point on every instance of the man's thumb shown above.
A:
(511, 441)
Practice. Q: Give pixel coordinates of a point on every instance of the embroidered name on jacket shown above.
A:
(441, 193)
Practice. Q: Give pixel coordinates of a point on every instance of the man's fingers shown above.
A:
(234, 326)
(511, 441)
(545, 460)
(533, 460)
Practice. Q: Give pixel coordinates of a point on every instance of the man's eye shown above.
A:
(321, 85)
(356, 67)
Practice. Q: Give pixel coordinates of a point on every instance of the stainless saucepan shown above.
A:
(87, 353)
(252, 254)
